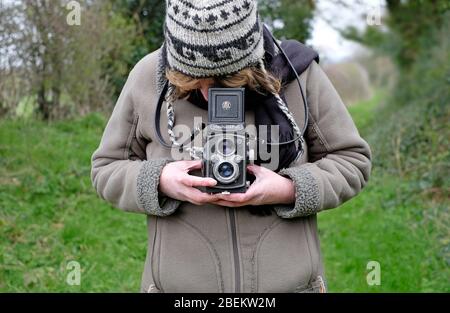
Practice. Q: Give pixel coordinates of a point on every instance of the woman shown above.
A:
(263, 240)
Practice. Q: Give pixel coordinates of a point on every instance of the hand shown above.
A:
(176, 182)
(268, 188)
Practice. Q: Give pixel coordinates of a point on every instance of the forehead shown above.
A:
(206, 80)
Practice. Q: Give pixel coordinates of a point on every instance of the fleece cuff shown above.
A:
(307, 196)
(148, 196)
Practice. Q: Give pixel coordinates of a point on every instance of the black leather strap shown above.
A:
(158, 115)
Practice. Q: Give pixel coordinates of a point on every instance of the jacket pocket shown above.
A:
(152, 289)
(283, 257)
(315, 286)
(187, 260)
(133, 148)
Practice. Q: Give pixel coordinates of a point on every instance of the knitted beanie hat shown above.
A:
(206, 38)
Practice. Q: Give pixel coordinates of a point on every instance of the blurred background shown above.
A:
(62, 67)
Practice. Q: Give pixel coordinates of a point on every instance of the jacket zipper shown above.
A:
(237, 270)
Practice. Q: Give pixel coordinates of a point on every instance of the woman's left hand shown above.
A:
(268, 188)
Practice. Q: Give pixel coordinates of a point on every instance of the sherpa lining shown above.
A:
(307, 196)
(147, 189)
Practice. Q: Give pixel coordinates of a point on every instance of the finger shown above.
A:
(199, 197)
(229, 203)
(248, 196)
(193, 165)
(234, 197)
(255, 170)
(196, 181)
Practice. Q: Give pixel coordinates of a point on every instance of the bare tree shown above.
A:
(59, 65)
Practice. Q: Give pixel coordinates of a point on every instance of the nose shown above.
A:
(204, 91)
(204, 86)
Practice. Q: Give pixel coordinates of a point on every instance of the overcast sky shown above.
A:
(326, 39)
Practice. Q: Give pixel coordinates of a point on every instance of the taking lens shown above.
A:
(226, 172)
(226, 169)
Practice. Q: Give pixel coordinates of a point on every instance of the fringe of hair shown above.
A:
(254, 77)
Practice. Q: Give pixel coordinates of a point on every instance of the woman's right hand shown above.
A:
(176, 183)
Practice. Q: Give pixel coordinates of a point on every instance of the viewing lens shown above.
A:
(226, 147)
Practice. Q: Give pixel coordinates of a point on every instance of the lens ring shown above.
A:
(226, 171)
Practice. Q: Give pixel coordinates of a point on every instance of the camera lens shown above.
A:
(225, 169)
(225, 147)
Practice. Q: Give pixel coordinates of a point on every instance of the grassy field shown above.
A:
(389, 222)
(50, 215)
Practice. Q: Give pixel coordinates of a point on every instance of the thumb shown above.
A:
(255, 170)
(193, 165)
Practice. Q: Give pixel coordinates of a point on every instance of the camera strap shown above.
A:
(158, 115)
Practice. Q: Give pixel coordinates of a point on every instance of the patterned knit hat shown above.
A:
(206, 38)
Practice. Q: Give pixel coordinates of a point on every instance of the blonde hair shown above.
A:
(255, 78)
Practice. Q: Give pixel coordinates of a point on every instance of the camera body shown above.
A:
(225, 155)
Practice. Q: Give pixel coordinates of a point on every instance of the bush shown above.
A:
(413, 135)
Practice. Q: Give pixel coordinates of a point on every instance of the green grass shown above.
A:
(390, 222)
(407, 237)
(50, 215)
(363, 112)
